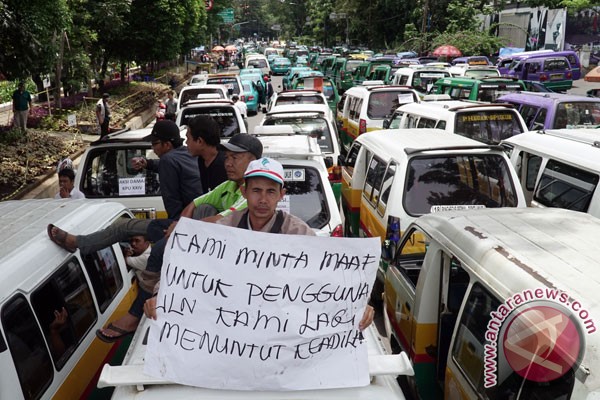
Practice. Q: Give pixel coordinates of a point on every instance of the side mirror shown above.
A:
(341, 160)
(328, 162)
(392, 239)
(386, 124)
(264, 110)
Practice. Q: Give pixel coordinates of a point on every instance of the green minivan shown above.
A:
(484, 89)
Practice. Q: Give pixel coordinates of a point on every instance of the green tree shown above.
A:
(26, 36)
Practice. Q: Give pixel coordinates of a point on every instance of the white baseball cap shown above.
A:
(266, 168)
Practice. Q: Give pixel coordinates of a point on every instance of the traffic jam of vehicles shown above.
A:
(446, 223)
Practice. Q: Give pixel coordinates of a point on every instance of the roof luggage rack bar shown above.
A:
(477, 104)
(564, 135)
(133, 375)
(409, 151)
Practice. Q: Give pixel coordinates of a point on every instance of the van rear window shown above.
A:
(384, 103)
(304, 195)
(582, 114)
(489, 126)
(225, 117)
(565, 186)
(316, 127)
(108, 173)
(460, 179)
(229, 82)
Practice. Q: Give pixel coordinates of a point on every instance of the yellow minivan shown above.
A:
(498, 304)
(392, 177)
(366, 106)
(52, 302)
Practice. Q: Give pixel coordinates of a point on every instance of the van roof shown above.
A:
(396, 142)
(425, 108)
(527, 248)
(574, 146)
(26, 252)
(546, 98)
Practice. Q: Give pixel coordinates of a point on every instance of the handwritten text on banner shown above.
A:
(248, 310)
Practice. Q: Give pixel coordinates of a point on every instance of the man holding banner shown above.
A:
(231, 302)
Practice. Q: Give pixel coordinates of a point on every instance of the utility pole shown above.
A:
(424, 24)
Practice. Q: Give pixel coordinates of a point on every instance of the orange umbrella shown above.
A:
(218, 48)
(593, 75)
(447, 50)
(230, 48)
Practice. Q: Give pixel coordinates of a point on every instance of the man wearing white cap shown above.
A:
(263, 189)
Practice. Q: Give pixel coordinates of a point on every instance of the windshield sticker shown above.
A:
(432, 75)
(294, 175)
(404, 98)
(284, 204)
(456, 207)
(132, 186)
(486, 117)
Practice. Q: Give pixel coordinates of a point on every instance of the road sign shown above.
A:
(276, 27)
(226, 15)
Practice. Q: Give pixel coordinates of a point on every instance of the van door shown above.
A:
(370, 225)
(527, 166)
(353, 176)
(412, 316)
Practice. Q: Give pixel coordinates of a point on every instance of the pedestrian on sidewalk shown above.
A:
(22, 106)
(103, 114)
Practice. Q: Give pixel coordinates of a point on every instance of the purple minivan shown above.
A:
(555, 110)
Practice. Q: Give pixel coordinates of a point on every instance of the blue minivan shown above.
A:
(555, 110)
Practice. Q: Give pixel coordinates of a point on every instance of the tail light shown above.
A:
(569, 75)
(250, 98)
(338, 231)
(342, 74)
(543, 78)
(243, 98)
(362, 126)
(335, 174)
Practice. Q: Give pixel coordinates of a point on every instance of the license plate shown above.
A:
(556, 76)
(141, 215)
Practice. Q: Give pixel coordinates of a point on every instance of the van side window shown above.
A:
(468, 349)
(386, 187)
(374, 178)
(66, 291)
(104, 272)
(107, 167)
(533, 168)
(352, 155)
(27, 347)
(528, 113)
(426, 123)
(403, 80)
(539, 121)
(565, 186)
(441, 125)
(411, 121)
(410, 256)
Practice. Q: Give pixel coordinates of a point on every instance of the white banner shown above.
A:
(246, 310)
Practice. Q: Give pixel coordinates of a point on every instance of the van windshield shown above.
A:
(382, 104)
(424, 80)
(474, 180)
(225, 117)
(316, 127)
(491, 91)
(581, 114)
(489, 126)
(231, 83)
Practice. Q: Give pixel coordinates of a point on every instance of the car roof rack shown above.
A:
(133, 375)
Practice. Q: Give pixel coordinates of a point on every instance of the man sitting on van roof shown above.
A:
(210, 207)
(263, 189)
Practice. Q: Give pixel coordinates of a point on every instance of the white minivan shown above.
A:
(559, 168)
(52, 302)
